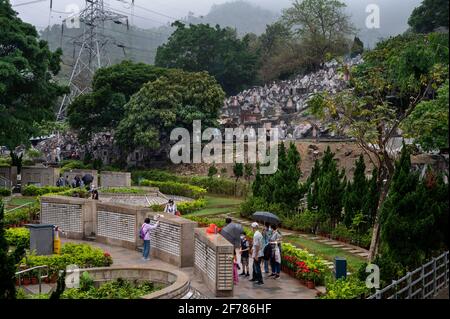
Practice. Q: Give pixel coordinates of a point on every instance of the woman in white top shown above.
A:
(171, 208)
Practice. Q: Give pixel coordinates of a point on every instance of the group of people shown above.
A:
(266, 250)
(79, 182)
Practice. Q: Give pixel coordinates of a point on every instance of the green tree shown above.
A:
(215, 50)
(7, 263)
(248, 171)
(212, 170)
(428, 123)
(174, 100)
(429, 16)
(28, 91)
(322, 26)
(357, 47)
(238, 171)
(112, 87)
(394, 79)
(371, 198)
(409, 217)
(355, 194)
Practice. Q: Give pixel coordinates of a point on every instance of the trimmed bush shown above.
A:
(4, 192)
(174, 188)
(32, 190)
(191, 207)
(123, 190)
(74, 164)
(16, 236)
(82, 255)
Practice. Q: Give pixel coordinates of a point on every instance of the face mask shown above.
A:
(242, 236)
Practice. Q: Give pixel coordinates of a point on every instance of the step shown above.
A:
(338, 246)
(363, 254)
(188, 295)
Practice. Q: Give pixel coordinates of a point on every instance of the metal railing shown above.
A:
(5, 183)
(39, 270)
(423, 283)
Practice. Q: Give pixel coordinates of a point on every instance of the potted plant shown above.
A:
(26, 281)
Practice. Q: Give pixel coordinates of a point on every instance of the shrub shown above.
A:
(191, 207)
(73, 164)
(175, 188)
(153, 175)
(350, 288)
(124, 190)
(32, 190)
(305, 221)
(5, 192)
(23, 215)
(82, 255)
(17, 236)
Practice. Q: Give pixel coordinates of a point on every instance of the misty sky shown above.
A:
(394, 13)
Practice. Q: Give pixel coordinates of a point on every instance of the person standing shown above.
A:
(267, 234)
(244, 255)
(171, 207)
(275, 242)
(257, 254)
(146, 228)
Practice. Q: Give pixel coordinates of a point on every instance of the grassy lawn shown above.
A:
(216, 205)
(326, 252)
(19, 201)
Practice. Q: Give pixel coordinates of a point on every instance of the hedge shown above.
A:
(175, 188)
(14, 236)
(32, 190)
(5, 192)
(214, 185)
(123, 190)
(82, 255)
(184, 207)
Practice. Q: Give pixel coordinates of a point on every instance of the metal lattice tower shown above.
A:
(90, 49)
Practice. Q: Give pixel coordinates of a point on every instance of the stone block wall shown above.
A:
(40, 176)
(213, 261)
(115, 179)
(10, 173)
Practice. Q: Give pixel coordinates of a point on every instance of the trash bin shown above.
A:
(340, 268)
(41, 238)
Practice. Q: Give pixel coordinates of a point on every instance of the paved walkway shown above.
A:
(285, 287)
(351, 249)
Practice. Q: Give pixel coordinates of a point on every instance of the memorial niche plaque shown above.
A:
(116, 226)
(166, 238)
(66, 216)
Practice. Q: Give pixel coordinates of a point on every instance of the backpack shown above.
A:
(142, 233)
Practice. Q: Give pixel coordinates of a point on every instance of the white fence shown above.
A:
(423, 283)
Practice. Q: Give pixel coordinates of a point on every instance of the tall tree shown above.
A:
(215, 50)
(174, 100)
(28, 91)
(429, 16)
(410, 231)
(322, 26)
(386, 89)
(112, 87)
(355, 194)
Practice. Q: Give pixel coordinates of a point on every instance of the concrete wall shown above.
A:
(72, 215)
(42, 176)
(119, 224)
(115, 179)
(177, 283)
(9, 173)
(213, 261)
(70, 175)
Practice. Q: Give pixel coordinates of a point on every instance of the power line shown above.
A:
(27, 3)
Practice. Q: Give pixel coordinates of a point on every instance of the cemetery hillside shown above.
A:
(266, 150)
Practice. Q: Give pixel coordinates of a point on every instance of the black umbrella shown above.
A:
(232, 232)
(87, 179)
(266, 217)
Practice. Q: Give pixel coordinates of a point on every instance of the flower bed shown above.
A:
(19, 217)
(299, 263)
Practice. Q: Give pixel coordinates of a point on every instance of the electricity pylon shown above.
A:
(90, 48)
